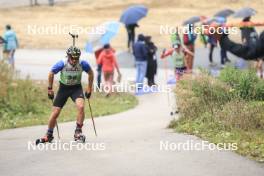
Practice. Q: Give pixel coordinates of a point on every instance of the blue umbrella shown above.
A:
(192, 20)
(112, 29)
(133, 14)
(224, 13)
(219, 20)
(245, 12)
(97, 40)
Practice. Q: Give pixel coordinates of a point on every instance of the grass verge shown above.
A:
(228, 109)
(25, 102)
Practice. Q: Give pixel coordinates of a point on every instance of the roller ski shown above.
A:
(45, 139)
(78, 136)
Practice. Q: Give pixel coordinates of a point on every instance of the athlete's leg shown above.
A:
(78, 97)
(79, 121)
(80, 110)
(59, 102)
(53, 117)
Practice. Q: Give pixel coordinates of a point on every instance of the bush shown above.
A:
(18, 97)
(225, 110)
(224, 101)
(245, 83)
(203, 94)
(241, 114)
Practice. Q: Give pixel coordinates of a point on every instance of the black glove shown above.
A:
(88, 95)
(51, 94)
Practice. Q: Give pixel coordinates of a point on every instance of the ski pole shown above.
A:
(165, 66)
(91, 112)
(57, 127)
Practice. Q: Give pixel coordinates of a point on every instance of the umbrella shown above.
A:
(108, 31)
(218, 20)
(133, 14)
(245, 12)
(224, 13)
(194, 19)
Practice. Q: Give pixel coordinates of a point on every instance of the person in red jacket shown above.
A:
(99, 67)
(108, 61)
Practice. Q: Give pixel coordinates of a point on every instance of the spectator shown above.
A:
(212, 44)
(99, 67)
(151, 61)
(141, 54)
(189, 41)
(11, 45)
(108, 61)
(131, 34)
(51, 2)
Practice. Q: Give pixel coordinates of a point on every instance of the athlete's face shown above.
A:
(73, 60)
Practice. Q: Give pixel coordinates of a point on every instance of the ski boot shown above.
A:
(78, 136)
(46, 138)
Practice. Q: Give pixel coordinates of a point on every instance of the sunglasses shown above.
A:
(74, 58)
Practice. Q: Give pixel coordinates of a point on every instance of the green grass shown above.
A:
(249, 143)
(24, 102)
(225, 110)
(101, 106)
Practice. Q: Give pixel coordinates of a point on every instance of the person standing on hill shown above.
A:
(108, 62)
(212, 44)
(189, 38)
(99, 67)
(141, 54)
(131, 34)
(34, 2)
(10, 45)
(51, 2)
(151, 61)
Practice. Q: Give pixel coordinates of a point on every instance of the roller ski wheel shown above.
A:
(79, 137)
(174, 113)
(45, 139)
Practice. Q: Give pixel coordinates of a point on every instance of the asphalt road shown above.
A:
(131, 143)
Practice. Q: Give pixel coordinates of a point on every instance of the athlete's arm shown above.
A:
(90, 81)
(86, 67)
(50, 79)
(166, 53)
(54, 70)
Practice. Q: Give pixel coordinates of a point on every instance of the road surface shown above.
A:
(131, 143)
